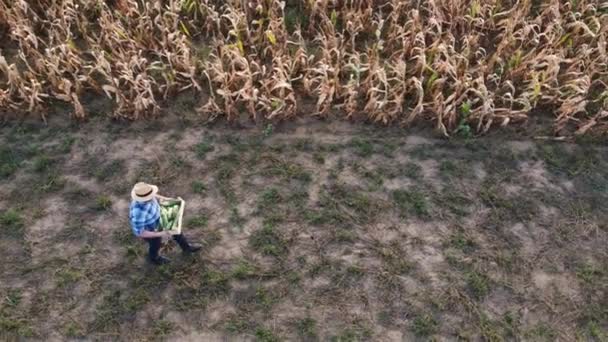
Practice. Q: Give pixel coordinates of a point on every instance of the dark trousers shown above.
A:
(154, 245)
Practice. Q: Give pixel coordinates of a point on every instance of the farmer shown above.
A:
(144, 215)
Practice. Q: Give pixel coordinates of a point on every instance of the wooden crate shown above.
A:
(178, 229)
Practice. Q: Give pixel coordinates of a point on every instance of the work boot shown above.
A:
(193, 248)
(160, 260)
(185, 245)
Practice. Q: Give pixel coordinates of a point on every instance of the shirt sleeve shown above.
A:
(154, 210)
(137, 229)
(137, 217)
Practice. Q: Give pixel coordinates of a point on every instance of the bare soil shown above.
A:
(311, 231)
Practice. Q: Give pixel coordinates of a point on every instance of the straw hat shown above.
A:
(143, 192)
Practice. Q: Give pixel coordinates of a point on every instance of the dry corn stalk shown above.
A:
(455, 62)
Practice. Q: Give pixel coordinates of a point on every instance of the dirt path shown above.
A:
(316, 231)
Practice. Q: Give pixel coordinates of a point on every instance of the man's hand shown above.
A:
(167, 234)
(148, 234)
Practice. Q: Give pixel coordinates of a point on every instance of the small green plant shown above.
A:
(423, 152)
(198, 187)
(7, 170)
(412, 170)
(398, 265)
(289, 170)
(303, 145)
(74, 330)
(68, 276)
(453, 200)
(215, 282)
(275, 103)
(376, 178)
(588, 273)
(541, 332)
(8, 163)
(43, 164)
(236, 325)
(109, 170)
(460, 241)
(434, 76)
(515, 60)
(163, 328)
(264, 298)
(595, 331)
(103, 203)
(411, 202)
(478, 284)
(12, 223)
(66, 144)
(344, 236)
(334, 17)
(236, 218)
(265, 335)
(318, 158)
(424, 325)
(268, 130)
(475, 9)
(132, 252)
(463, 129)
(13, 298)
(293, 277)
(20, 326)
(268, 241)
(201, 149)
(50, 183)
(295, 16)
(243, 270)
(354, 271)
(448, 169)
(363, 148)
(352, 334)
(268, 199)
(190, 7)
(199, 221)
(307, 328)
(179, 162)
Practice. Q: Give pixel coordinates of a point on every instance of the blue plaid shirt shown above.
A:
(144, 216)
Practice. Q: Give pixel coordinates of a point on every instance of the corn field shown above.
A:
(465, 65)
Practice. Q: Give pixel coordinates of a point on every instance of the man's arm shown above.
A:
(139, 229)
(162, 197)
(146, 234)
